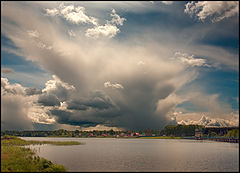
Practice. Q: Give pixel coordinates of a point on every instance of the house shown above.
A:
(91, 134)
(122, 134)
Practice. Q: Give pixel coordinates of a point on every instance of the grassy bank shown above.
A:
(12, 140)
(161, 137)
(15, 158)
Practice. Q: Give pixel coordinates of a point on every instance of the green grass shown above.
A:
(12, 140)
(160, 137)
(18, 159)
(15, 158)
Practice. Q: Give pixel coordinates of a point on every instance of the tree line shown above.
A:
(170, 130)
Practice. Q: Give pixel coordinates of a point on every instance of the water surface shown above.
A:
(112, 154)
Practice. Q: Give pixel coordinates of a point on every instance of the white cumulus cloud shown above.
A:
(107, 30)
(215, 10)
(52, 12)
(58, 88)
(190, 60)
(73, 14)
(38, 114)
(207, 121)
(14, 89)
(116, 18)
(116, 85)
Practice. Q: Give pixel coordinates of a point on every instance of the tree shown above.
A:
(213, 134)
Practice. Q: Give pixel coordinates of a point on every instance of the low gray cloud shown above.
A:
(32, 91)
(77, 105)
(48, 100)
(65, 117)
(83, 104)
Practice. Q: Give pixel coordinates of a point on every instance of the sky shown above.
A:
(119, 65)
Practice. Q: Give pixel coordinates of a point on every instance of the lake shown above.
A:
(145, 155)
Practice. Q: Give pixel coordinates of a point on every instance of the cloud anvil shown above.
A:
(119, 65)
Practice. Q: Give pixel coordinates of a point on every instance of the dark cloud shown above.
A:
(65, 117)
(32, 91)
(76, 105)
(97, 100)
(48, 100)
(136, 111)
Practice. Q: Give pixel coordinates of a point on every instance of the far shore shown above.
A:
(126, 137)
(217, 139)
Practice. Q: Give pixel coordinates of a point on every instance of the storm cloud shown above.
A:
(32, 91)
(98, 100)
(130, 84)
(48, 100)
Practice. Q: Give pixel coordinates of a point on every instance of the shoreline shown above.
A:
(17, 157)
(220, 139)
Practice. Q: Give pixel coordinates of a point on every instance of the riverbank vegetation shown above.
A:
(180, 130)
(12, 140)
(15, 158)
(233, 133)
